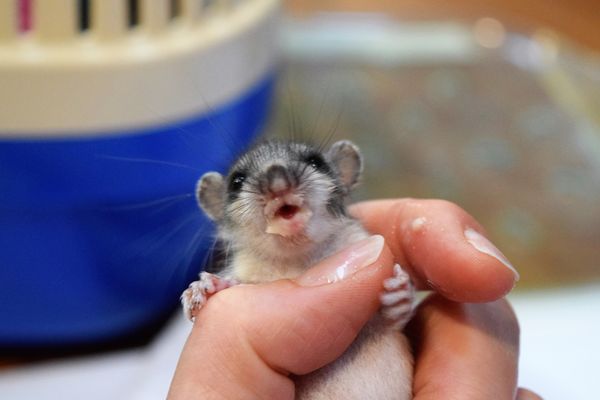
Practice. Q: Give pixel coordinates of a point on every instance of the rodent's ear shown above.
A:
(346, 159)
(210, 194)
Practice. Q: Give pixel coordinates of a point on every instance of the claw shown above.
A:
(398, 298)
(198, 293)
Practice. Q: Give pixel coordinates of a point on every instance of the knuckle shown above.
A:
(446, 206)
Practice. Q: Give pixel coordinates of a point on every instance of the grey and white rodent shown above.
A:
(280, 210)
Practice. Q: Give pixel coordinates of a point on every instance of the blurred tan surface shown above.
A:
(578, 20)
(486, 137)
(511, 135)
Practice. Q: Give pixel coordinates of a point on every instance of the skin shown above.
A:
(249, 339)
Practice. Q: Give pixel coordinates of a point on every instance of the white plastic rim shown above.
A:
(60, 82)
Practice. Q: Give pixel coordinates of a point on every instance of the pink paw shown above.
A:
(198, 293)
(398, 299)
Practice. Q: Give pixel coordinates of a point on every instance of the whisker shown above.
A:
(208, 263)
(227, 252)
(291, 122)
(185, 259)
(324, 98)
(331, 133)
(226, 134)
(239, 208)
(148, 160)
(256, 192)
(191, 248)
(170, 200)
(165, 238)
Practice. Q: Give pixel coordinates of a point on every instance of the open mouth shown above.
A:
(287, 211)
(286, 215)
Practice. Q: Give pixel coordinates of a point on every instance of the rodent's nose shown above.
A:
(277, 179)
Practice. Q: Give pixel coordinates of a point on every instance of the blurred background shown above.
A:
(494, 105)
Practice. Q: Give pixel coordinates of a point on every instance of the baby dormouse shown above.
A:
(281, 209)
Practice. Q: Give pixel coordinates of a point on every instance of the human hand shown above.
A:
(248, 339)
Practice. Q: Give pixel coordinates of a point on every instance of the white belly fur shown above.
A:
(378, 366)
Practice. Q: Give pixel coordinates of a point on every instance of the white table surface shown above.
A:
(560, 356)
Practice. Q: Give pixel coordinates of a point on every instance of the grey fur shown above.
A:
(378, 364)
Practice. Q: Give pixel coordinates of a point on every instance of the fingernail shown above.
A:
(345, 263)
(483, 245)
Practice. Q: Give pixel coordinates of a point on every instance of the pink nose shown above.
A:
(277, 179)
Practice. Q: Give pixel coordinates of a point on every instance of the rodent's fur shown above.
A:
(314, 185)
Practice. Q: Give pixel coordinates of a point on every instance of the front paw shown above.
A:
(198, 293)
(398, 299)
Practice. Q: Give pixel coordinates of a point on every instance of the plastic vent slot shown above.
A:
(51, 21)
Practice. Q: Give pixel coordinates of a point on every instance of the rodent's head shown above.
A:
(287, 191)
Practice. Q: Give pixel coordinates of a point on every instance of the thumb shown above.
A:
(248, 338)
(301, 325)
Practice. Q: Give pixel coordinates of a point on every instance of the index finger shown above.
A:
(441, 246)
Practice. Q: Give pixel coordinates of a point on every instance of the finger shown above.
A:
(524, 394)
(466, 351)
(326, 316)
(441, 246)
(252, 336)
